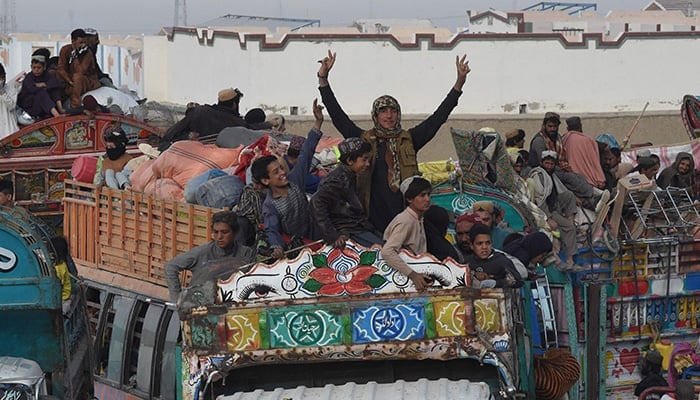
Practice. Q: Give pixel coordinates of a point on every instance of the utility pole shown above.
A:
(8, 21)
(180, 17)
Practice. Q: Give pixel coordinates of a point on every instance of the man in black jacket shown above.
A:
(208, 120)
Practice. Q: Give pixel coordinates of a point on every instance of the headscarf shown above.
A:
(390, 135)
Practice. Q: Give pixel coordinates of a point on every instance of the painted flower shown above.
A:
(344, 271)
(336, 282)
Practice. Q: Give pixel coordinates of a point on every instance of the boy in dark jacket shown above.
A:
(338, 209)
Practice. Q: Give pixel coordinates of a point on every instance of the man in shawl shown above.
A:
(77, 68)
(680, 174)
(557, 202)
(92, 39)
(584, 154)
(393, 147)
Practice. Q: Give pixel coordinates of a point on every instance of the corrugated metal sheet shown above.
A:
(423, 389)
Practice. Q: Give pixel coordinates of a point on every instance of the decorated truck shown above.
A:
(342, 316)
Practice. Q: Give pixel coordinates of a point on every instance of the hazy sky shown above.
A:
(148, 16)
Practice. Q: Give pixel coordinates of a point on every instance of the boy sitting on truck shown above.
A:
(337, 206)
(406, 231)
(286, 208)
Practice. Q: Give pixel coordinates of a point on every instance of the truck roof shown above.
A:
(441, 389)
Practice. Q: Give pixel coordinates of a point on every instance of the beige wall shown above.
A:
(658, 128)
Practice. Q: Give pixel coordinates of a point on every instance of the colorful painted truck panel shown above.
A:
(38, 157)
(346, 305)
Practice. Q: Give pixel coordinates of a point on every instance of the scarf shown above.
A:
(76, 53)
(391, 136)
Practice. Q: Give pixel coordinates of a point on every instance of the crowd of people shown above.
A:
(58, 85)
(376, 196)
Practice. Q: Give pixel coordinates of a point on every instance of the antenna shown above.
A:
(8, 21)
(180, 17)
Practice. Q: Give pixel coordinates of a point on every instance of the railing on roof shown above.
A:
(571, 8)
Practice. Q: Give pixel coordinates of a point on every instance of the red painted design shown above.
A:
(629, 359)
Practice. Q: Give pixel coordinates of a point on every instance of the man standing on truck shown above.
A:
(224, 227)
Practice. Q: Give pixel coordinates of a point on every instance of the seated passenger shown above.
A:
(489, 268)
(92, 39)
(115, 145)
(77, 68)
(487, 211)
(337, 206)
(224, 227)
(435, 221)
(463, 225)
(208, 120)
(286, 209)
(8, 99)
(557, 202)
(680, 174)
(405, 231)
(40, 95)
(583, 154)
(60, 246)
(648, 167)
(7, 201)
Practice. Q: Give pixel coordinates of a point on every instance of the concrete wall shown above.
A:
(655, 127)
(541, 71)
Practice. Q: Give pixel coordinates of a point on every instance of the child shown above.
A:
(406, 231)
(488, 267)
(60, 246)
(337, 206)
(285, 208)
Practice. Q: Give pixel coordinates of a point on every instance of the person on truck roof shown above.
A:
(208, 120)
(406, 230)
(92, 40)
(77, 68)
(337, 207)
(40, 95)
(393, 147)
(224, 227)
(286, 208)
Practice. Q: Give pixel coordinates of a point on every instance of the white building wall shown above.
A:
(543, 73)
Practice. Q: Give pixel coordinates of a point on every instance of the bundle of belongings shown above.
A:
(212, 175)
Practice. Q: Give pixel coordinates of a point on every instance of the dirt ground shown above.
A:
(655, 127)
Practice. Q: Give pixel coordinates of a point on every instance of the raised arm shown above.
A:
(301, 169)
(340, 119)
(426, 130)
